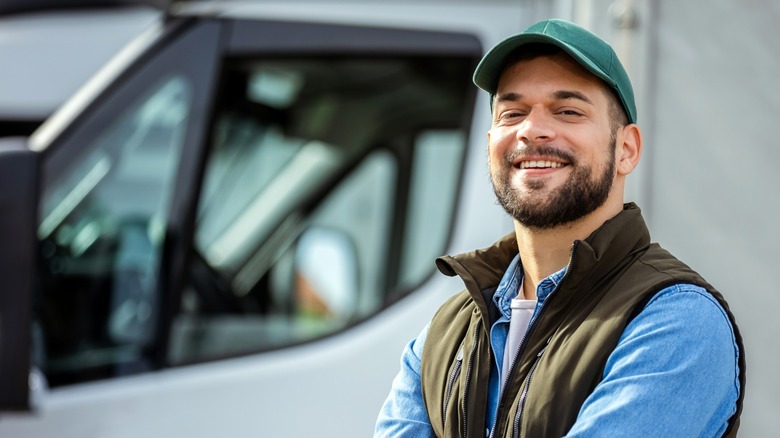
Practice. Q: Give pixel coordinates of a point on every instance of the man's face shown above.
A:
(551, 150)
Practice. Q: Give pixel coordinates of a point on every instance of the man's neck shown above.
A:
(546, 251)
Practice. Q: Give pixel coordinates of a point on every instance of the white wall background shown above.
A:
(713, 196)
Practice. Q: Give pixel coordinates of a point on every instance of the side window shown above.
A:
(101, 234)
(109, 200)
(329, 190)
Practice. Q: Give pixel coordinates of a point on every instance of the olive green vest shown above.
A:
(611, 276)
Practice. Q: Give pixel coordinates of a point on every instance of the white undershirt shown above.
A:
(522, 310)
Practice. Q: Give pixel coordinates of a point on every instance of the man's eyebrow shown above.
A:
(508, 97)
(557, 95)
(569, 94)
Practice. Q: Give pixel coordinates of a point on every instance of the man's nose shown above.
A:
(536, 127)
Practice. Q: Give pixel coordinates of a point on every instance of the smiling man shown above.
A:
(575, 324)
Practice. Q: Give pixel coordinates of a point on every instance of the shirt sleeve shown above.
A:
(674, 372)
(403, 413)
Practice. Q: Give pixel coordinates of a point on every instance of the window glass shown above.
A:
(323, 174)
(101, 231)
(436, 166)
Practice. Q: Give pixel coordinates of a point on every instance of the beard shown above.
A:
(579, 195)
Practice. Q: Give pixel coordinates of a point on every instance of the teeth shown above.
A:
(540, 164)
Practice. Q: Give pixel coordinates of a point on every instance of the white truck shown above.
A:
(230, 229)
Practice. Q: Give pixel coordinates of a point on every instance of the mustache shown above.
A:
(545, 151)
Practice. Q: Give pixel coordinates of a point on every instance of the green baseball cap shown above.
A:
(593, 53)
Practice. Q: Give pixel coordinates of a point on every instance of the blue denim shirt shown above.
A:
(674, 371)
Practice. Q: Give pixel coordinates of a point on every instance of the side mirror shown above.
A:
(326, 267)
(18, 224)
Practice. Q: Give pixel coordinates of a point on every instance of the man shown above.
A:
(575, 324)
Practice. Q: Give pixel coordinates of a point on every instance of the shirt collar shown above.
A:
(510, 285)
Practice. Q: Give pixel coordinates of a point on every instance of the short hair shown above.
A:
(617, 114)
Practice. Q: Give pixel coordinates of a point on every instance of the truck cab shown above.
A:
(234, 222)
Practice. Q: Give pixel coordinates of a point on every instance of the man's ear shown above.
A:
(629, 149)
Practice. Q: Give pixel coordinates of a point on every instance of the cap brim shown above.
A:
(488, 72)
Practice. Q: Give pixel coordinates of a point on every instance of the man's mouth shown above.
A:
(539, 159)
(539, 164)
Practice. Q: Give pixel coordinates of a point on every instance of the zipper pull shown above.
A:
(546, 344)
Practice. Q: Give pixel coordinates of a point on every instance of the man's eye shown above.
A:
(569, 113)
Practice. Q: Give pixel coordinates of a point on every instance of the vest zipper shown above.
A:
(454, 375)
(531, 327)
(521, 403)
(469, 370)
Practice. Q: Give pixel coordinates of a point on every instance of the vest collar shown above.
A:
(616, 240)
